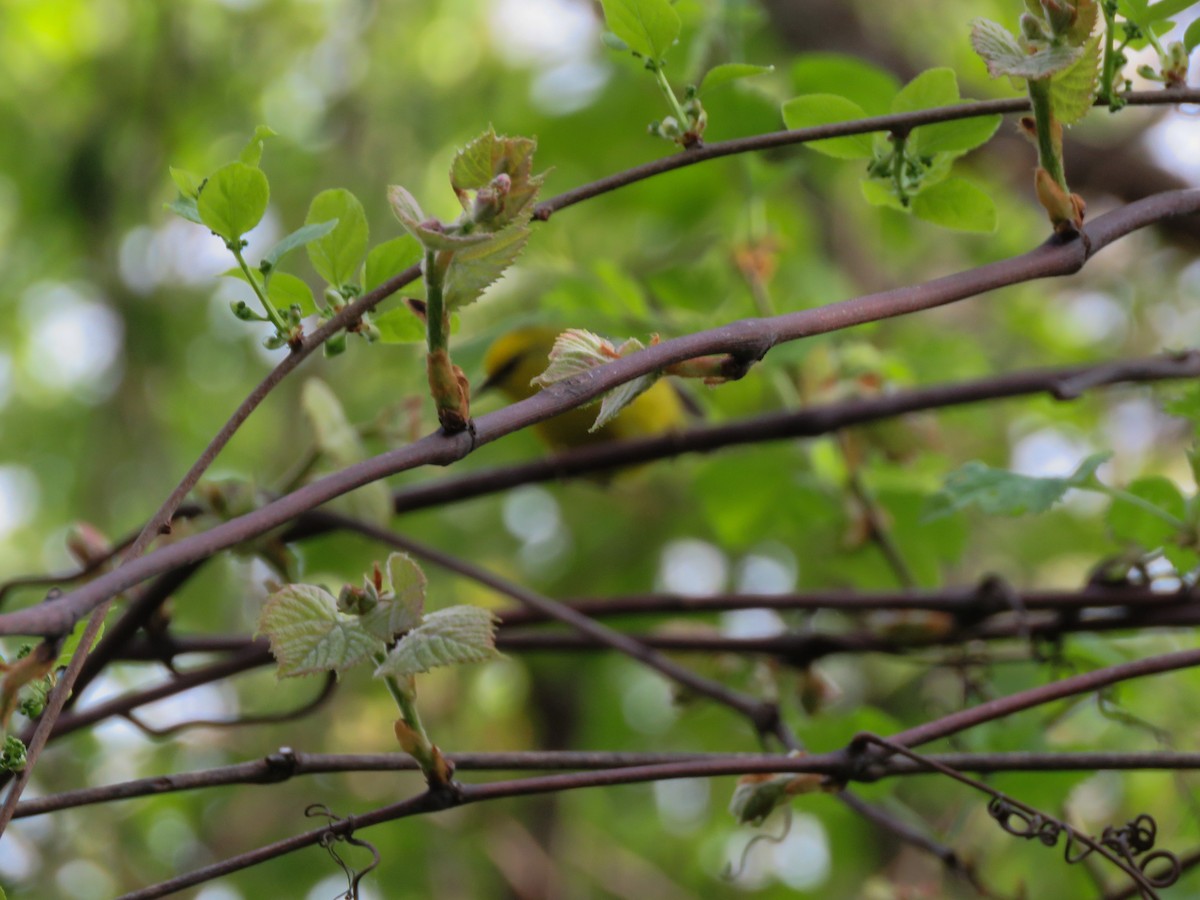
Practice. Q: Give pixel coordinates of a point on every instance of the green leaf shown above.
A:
(390, 258)
(489, 155)
(71, 644)
(1002, 493)
(719, 76)
(1004, 55)
(474, 269)
(402, 600)
(309, 635)
(1134, 10)
(1191, 37)
(880, 192)
(427, 231)
(234, 200)
(297, 238)
(1073, 90)
(1130, 523)
(448, 637)
(932, 88)
(186, 208)
(338, 254)
(825, 109)
(621, 396)
(648, 27)
(1186, 405)
(956, 137)
(1165, 9)
(956, 203)
(189, 183)
(282, 289)
(399, 326)
(871, 87)
(251, 154)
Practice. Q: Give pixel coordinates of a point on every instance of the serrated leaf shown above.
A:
(428, 234)
(448, 637)
(1073, 90)
(251, 154)
(1130, 523)
(1004, 54)
(576, 350)
(309, 635)
(189, 183)
(476, 268)
(620, 397)
(390, 258)
(338, 254)
(1003, 493)
(956, 203)
(234, 200)
(871, 87)
(727, 73)
(186, 208)
(648, 27)
(402, 600)
(489, 155)
(297, 238)
(826, 109)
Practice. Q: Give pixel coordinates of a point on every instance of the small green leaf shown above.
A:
(1191, 37)
(880, 192)
(826, 109)
(309, 635)
(956, 203)
(483, 159)
(186, 208)
(1165, 9)
(283, 290)
(1134, 10)
(399, 326)
(1130, 523)
(448, 637)
(718, 76)
(1002, 493)
(402, 600)
(956, 137)
(297, 238)
(932, 88)
(1186, 405)
(1073, 90)
(234, 200)
(871, 87)
(648, 27)
(188, 182)
(338, 254)
(71, 644)
(251, 154)
(390, 258)
(476, 268)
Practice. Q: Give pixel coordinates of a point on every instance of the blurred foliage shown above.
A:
(119, 359)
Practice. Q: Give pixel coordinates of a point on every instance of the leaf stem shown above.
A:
(418, 745)
(669, 93)
(268, 308)
(1049, 150)
(1141, 503)
(1107, 92)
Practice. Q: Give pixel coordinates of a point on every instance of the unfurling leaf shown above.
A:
(401, 599)
(1003, 493)
(429, 232)
(1004, 54)
(309, 635)
(757, 796)
(1073, 90)
(448, 637)
(477, 166)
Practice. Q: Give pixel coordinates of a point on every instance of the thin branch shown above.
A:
(747, 340)
(286, 764)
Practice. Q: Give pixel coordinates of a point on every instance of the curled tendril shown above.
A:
(733, 873)
(1130, 841)
(331, 837)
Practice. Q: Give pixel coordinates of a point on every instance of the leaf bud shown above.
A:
(244, 312)
(357, 601)
(336, 345)
(1031, 28)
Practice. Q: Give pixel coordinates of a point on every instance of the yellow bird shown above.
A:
(519, 356)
